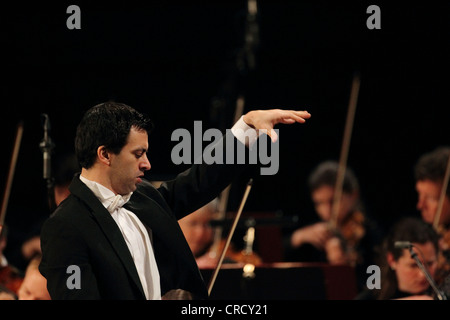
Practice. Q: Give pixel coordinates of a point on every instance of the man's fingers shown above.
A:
(291, 116)
(286, 117)
(272, 134)
(300, 115)
(289, 120)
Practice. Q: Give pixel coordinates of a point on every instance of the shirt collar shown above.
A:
(106, 196)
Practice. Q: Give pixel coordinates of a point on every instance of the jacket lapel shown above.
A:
(164, 227)
(108, 226)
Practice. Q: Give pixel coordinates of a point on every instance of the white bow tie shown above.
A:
(117, 202)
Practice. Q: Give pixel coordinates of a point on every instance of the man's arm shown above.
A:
(56, 237)
(202, 183)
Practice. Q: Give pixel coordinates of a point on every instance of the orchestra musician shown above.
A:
(198, 232)
(429, 173)
(199, 235)
(116, 227)
(352, 242)
(11, 278)
(401, 278)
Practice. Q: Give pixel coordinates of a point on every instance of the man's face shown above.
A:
(428, 201)
(128, 167)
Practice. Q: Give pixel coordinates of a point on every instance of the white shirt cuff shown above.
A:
(244, 133)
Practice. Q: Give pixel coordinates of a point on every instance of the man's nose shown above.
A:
(145, 165)
(420, 203)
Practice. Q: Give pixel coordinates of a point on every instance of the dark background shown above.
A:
(176, 60)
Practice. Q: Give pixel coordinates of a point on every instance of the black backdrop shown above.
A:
(170, 60)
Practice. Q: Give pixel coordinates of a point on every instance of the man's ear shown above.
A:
(103, 155)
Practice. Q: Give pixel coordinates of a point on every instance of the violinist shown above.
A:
(356, 235)
(429, 173)
(11, 278)
(198, 232)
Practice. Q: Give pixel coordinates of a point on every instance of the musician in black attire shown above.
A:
(116, 231)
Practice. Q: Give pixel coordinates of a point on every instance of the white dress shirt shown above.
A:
(136, 236)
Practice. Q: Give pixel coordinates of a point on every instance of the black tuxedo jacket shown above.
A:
(81, 232)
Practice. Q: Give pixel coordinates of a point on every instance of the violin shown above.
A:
(342, 248)
(443, 268)
(233, 255)
(444, 237)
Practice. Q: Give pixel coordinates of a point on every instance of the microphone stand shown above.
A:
(47, 146)
(439, 294)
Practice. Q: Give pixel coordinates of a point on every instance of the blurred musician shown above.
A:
(198, 232)
(356, 235)
(429, 173)
(10, 277)
(401, 277)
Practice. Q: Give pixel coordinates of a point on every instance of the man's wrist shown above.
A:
(242, 130)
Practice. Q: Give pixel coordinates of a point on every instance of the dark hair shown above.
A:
(107, 124)
(410, 229)
(325, 174)
(432, 166)
(65, 166)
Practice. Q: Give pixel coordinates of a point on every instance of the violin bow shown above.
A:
(222, 206)
(12, 168)
(437, 215)
(344, 151)
(230, 235)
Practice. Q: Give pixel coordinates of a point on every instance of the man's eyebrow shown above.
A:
(140, 149)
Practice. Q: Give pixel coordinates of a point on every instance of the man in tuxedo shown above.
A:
(116, 236)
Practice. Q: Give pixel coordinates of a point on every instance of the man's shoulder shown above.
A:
(146, 188)
(70, 208)
(71, 215)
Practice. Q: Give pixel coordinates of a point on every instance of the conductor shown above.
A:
(116, 232)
